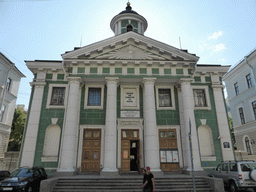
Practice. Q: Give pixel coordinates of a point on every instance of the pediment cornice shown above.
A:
(148, 43)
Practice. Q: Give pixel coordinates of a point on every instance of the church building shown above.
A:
(124, 103)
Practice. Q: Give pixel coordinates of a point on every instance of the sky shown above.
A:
(218, 31)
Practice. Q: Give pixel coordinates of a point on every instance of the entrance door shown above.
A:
(130, 156)
(91, 150)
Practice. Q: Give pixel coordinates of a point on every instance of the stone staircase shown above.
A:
(76, 184)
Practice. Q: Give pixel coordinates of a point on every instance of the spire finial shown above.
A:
(128, 6)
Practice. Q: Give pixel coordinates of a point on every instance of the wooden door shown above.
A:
(91, 150)
(125, 159)
(169, 160)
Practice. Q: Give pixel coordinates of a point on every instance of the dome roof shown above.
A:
(128, 10)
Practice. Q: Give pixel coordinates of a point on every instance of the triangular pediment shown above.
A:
(130, 46)
(130, 52)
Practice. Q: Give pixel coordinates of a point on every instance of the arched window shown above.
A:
(129, 28)
(247, 145)
(51, 141)
(205, 141)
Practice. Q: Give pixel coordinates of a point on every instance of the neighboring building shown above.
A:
(124, 103)
(240, 84)
(10, 78)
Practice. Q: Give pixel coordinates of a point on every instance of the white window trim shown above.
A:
(240, 105)
(244, 144)
(48, 106)
(87, 86)
(250, 100)
(172, 97)
(123, 87)
(206, 91)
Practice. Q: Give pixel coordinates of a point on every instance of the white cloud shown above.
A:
(216, 35)
(217, 48)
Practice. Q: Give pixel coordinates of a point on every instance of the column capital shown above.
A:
(38, 83)
(149, 80)
(185, 80)
(112, 79)
(217, 86)
(74, 79)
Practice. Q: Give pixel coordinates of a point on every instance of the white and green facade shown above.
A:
(126, 82)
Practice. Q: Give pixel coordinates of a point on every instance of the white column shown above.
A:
(224, 134)
(67, 157)
(188, 114)
(29, 148)
(110, 150)
(151, 144)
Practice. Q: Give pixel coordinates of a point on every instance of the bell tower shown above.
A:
(128, 20)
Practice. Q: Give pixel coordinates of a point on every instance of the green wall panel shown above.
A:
(167, 71)
(179, 71)
(49, 76)
(45, 121)
(130, 70)
(80, 70)
(93, 70)
(118, 70)
(106, 70)
(211, 121)
(60, 76)
(155, 71)
(143, 70)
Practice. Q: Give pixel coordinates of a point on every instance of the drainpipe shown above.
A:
(4, 88)
(246, 61)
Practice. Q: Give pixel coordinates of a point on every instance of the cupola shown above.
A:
(128, 20)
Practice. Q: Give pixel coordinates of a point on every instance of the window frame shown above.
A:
(247, 145)
(207, 98)
(87, 87)
(8, 84)
(241, 115)
(171, 88)
(2, 114)
(236, 88)
(249, 80)
(49, 97)
(254, 108)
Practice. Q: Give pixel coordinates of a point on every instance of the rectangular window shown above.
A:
(254, 108)
(199, 98)
(236, 88)
(241, 113)
(164, 96)
(2, 113)
(58, 96)
(94, 97)
(8, 84)
(249, 80)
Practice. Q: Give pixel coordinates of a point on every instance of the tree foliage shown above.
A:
(17, 129)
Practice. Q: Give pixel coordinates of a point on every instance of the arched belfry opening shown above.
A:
(128, 20)
(129, 28)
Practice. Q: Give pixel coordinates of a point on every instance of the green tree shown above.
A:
(18, 124)
(230, 122)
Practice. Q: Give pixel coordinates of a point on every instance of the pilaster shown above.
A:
(28, 154)
(70, 128)
(224, 134)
